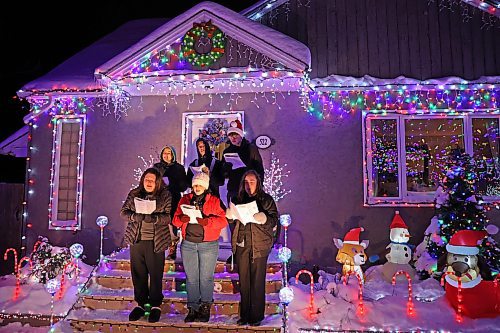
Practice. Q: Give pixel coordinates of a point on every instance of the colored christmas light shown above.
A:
(345, 279)
(311, 291)
(410, 307)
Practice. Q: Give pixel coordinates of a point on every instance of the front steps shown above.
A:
(106, 302)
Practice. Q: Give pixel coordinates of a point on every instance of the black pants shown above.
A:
(252, 275)
(147, 265)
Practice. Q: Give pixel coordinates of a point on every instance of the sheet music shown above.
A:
(192, 212)
(244, 212)
(235, 159)
(144, 206)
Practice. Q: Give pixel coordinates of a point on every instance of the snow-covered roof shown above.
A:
(263, 39)
(77, 72)
(16, 144)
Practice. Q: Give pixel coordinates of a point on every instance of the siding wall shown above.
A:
(389, 38)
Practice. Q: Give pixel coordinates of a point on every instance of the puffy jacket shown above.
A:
(161, 218)
(211, 210)
(262, 234)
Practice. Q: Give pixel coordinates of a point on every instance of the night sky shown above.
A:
(37, 36)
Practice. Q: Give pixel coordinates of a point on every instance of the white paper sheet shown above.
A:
(235, 159)
(144, 206)
(197, 169)
(192, 212)
(244, 212)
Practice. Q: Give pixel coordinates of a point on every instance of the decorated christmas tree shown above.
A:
(458, 207)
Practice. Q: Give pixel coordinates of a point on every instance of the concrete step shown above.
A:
(97, 297)
(225, 283)
(117, 321)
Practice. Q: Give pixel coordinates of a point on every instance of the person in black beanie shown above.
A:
(148, 236)
(174, 176)
(213, 167)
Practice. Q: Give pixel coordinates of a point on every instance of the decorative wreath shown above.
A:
(192, 37)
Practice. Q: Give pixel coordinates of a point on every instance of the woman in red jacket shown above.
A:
(200, 246)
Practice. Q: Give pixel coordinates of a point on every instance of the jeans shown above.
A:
(199, 261)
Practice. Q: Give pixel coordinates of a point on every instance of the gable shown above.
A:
(268, 47)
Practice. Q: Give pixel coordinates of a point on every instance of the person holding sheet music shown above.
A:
(147, 213)
(211, 166)
(174, 175)
(201, 219)
(243, 155)
(256, 215)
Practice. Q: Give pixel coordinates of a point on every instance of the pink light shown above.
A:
(61, 288)
(361, 306)
(311, 297)
(410, 308)
(459, 317)
(18, 275)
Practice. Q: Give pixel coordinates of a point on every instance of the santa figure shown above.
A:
(479, 298)
(399, 251)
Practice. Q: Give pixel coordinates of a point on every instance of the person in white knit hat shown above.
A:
(200, 245)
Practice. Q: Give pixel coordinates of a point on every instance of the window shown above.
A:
(424, 143)
(67, 172)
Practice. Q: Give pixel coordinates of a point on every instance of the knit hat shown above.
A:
(352, 236)
(202, 179)
(465, 242)
(235, 127)
(398, 222)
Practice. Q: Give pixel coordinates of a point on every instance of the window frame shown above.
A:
(404, 199)
(54, 222)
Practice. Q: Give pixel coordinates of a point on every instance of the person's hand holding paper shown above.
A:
(144, 206)
(235, 160)
(192, 212)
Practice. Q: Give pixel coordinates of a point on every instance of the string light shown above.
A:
(458, 317)
(410, 307)
(345, 279)
(311, 292)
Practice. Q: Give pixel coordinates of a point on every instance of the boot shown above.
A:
(136, 313)
(204, 312)
(154, 314)
(172, 250)
(191, 316)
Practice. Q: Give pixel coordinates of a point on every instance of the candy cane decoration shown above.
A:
(459, 294)
(18, 275)
(36, 245)
(15, 257)
(409, 305)
(311, 298)
(61, 288)
(361, 306)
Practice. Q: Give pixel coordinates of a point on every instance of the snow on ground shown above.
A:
(385, 308)
(34, 299)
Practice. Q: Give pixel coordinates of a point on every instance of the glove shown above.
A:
(184, 218)
(202, 221)
(148, 218)
(260, 217)
(137, 217)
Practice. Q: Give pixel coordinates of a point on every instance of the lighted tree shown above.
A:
(457, 207)
(273, 179)
(146, 163)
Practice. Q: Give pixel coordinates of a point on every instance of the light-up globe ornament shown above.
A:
(284, 254)
(101, 221)
(286, 295)
(76, 250)
(52, 286)
(285, 220)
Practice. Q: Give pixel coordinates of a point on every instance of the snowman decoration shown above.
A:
(399, 251)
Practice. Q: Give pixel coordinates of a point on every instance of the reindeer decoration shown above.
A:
(351, 252)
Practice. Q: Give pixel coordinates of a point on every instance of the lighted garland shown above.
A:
(192, 37)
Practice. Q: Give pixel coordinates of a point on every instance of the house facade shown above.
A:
(361, 103)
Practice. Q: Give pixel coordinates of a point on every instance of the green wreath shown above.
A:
(191, 38)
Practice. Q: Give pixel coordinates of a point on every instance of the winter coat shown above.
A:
(161, 218)
(216, 173)
(249, 154)
(262, 234)
(176, 174)
(211, 209)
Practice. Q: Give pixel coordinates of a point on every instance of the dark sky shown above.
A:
(36, 36)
